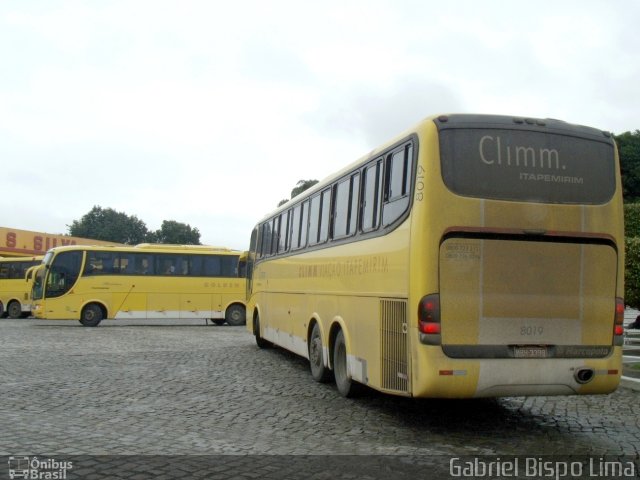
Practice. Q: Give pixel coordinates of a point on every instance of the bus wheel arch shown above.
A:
(260, 341)
(14, 309)
(347, 387)
(235, 314)
(318, 360)
(92, 314)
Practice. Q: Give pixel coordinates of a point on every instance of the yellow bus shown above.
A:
(140, 282)
(471, 256)
(15, 285)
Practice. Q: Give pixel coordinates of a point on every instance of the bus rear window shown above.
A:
(524, 165)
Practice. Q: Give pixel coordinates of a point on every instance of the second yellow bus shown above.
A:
(140, 282)
(15, 285)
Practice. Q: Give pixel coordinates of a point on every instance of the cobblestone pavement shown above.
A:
(170, 388)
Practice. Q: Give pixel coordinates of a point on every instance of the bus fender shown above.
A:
(338, 324)
(356, 366)
(235, 302)
(100, 303)
(315, 319)
(257, 315)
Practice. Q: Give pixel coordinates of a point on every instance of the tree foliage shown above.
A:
(112, 226)
(301, 186)
(175, 232)
(629, 151)
(632, 220)
(632, 272)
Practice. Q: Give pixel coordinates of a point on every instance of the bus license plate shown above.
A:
(530, 352)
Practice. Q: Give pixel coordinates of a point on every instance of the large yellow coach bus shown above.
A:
(471, 256)
(15, 285)
(140, 282)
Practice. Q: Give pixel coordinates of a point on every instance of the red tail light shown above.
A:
(618, 329)
(429, 314)
(619, 311)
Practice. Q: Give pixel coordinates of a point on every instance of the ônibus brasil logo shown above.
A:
(38, 469)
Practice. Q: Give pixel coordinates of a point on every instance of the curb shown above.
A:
(631, 383)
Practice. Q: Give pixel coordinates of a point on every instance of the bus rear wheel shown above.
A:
(319, 371)
(346, 385)
(91, 315)
(235, 315)
(14, 310)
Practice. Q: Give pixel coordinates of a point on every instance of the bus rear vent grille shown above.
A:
(393, 326)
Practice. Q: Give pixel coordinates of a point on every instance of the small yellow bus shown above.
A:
(471, 256)
(15, 285)
(140, 282)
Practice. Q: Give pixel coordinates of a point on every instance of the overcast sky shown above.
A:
(209, 112)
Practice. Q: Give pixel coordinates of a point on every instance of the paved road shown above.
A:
(158, 389)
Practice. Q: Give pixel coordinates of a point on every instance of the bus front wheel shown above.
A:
(346, 385)
(319, 371)
(14, 310)
(235, 315)
(91, 315)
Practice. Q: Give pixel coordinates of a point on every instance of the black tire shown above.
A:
(91, 315)
(235, 315)
(217, 321)
(1, 310)
(346, 385)
(261, 342)
(14, 309)
(319, 371)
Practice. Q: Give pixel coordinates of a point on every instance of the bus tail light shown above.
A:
(618, 328)
(429, 319)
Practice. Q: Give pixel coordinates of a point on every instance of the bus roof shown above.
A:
(33, 258)
(150, 247)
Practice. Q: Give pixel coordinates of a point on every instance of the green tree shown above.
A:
(301, 186)
(632, 272)
(629, 151)
(109, 225)
(175, 232)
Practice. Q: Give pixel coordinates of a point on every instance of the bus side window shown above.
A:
(294, 243)
(143, 264)
(283, 245)
(314, 220)
(345, 210)
(265, 244)
(371, 196)
(90, 267)
(325, 215)
(341, 209)
(275, 235)
(397, 184)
